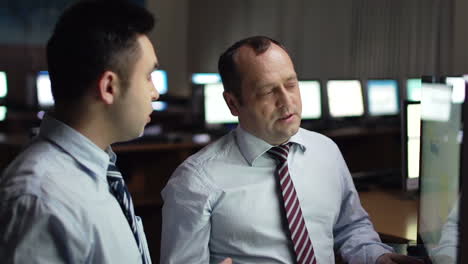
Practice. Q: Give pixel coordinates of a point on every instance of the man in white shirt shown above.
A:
(56, 201)
(269, 191)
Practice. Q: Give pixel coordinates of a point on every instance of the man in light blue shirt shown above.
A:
(225, 201)
(55, 201)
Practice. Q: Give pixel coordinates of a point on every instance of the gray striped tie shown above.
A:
(119, 190)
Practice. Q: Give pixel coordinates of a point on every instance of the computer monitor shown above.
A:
(3, 112)
(411, 133)
(345, 98)
(382, 97)
(458, 88)
(216, 111)
(440, 174)
(413, 89)
(159, 105)
(205, 78)
(3, 84)
(45, 99)
(159, 78)
(311, 99)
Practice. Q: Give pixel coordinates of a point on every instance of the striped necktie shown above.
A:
(298, 230)
(120, 191)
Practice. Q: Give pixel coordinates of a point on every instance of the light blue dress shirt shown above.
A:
(224, 201)
(55, 204)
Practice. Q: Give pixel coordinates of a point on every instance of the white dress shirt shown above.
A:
(55, 204)
(224, 201)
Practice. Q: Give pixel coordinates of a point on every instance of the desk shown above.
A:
(391, 214)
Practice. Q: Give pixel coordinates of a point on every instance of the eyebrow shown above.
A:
(266, 85)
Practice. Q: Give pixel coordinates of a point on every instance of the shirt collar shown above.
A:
(82, 149)
(253, 147)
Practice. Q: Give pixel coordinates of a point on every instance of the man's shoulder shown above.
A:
(30, 170)
(314, 138)
(216, 150)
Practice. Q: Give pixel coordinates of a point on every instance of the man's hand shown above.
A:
(226, 261)
(394, 258)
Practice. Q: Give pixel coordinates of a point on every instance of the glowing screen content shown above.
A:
(345, 98)
(159, 79)
(413, 126)
(382, 97)
(206, 78)
(44, 90)
(216, 109)
(311, 100)
(413, 89)
(3, 84)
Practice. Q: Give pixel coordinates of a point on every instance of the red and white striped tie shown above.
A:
(299, 234)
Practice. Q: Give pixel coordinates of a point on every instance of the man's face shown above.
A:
(134, 108)
(271, 102)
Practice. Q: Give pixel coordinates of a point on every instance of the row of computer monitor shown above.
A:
(45, 99)
(343, 98)
(340, 98)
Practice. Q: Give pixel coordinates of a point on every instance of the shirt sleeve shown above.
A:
(31, 232)
(355, 236)
(186, 217)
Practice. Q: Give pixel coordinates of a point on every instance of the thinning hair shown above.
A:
(228, 69)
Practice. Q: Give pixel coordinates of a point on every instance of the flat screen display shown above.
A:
(205, 78)
(44, 90)
(311, 99)
(159, 78)
(382, 97)
(3, 84)
(216, 109)
(413, 132)
(413, 89)
(458, 88)
(345, 98)
(441, 140)
(3, 112)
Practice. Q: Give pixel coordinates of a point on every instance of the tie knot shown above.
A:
(280, 152)
(113, 172)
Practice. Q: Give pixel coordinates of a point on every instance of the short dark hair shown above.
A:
(227, 67)
(91, 37)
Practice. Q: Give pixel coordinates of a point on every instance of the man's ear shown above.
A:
(232, 103)
(108, 87)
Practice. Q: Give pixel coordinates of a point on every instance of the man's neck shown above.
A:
(88, 123)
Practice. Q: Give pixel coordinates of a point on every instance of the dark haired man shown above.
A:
(62, 200)
(269, 191)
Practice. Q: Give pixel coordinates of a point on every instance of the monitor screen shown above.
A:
(345, 98)
(159, 105)
(44, 90)
(311, 99)
(413, 89)
(3, 112)
(205, 78)
(382, 97)
(159, 78)
(441, 140)
(215, 108)
(3, 84)
(412, 126)
(458, 88)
